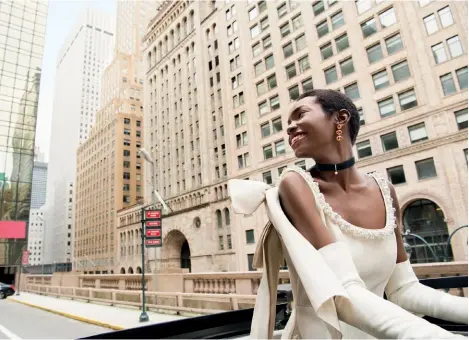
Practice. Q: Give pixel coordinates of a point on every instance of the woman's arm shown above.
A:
(405, 290)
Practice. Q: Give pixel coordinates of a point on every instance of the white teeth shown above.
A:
(296, 138)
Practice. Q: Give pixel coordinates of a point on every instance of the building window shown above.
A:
(352, 91)
(266, 42)
(337, 20)
(446, 18)
(394, 44)
(364, 149)
(461, 118)
(126, 175)
(465, 154)
(265, 130)
(282, 10)
(369, 28)
(219, 219)
(285, 29)
(387, 18)
(380, 79)
(307, 85)
(400, 71)
(267, 177)
(263, 109)
(447, 83)
(331, 75)
(346, 67)
(407, 99)
(361, 115)
(269, 62)
(267, 150)
(297, 22)
(326, 51)
(322, 29)
(288, 50)
(417, 133)
(280, 147)
(261, 88)
(386, 107)
(294, 92)
(462, 78)
(291, 70)
(389, 141)
(396, 175)
(221, 243)
(256, 50)
(303, 64)
(430, 23)
(272, 81)
(425, 168)
(374, 53)
(126, 121)
(281, 170)
(277, 124)
(250, 260)
(455, 47)
(274, 103)
(342, 42)
(318, 7)
(301, 164)
(240, 119)
(363, 5)
(300, 42)
(439, 53)
(250, 236)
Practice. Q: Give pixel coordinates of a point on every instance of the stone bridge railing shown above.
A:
(223, 283)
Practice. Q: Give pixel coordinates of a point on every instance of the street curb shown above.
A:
(70, 316)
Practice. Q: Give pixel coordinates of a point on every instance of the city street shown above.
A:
(18, 321)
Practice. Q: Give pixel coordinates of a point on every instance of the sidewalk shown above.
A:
(115, 318)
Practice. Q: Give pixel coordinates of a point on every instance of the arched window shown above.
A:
(227, 216)
(219, 219)
(425, 219)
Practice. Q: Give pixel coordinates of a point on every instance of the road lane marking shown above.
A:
(9, 334)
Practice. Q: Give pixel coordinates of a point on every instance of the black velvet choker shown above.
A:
(335, 167)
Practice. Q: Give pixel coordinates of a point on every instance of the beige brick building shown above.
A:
(109, 168)
(219, 80)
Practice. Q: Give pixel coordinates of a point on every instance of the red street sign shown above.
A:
(151, 214)
(25, 257)
(153, 242)
(153, 233)
(153, 223)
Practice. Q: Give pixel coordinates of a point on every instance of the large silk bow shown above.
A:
(319, 282)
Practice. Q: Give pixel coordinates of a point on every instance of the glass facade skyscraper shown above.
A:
(22, 36)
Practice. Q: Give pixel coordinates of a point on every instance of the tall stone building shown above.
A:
(36, 214)
(222, 74)
(85, 53)
(109, 168)
(22, 37)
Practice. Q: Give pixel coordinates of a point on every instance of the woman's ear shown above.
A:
(342, 117)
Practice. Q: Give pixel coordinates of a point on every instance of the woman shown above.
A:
(346, 223)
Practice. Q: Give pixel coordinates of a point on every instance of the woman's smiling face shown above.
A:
(310, 129)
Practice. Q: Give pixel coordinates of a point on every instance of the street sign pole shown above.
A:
(144, 316)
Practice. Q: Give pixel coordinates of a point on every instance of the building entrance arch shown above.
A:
(426, 219)
(176, 251)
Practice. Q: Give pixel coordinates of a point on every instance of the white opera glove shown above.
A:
(405, 290)
(370, 313)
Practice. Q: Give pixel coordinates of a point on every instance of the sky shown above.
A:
(62, 16)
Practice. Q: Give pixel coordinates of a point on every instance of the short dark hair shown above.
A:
(333, 101)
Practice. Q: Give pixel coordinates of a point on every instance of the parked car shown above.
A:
(6, 290)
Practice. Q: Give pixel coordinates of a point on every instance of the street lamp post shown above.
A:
(144, 316)
(407, 233)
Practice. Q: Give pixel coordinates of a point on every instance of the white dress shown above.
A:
(374, 270)
(315, 286)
